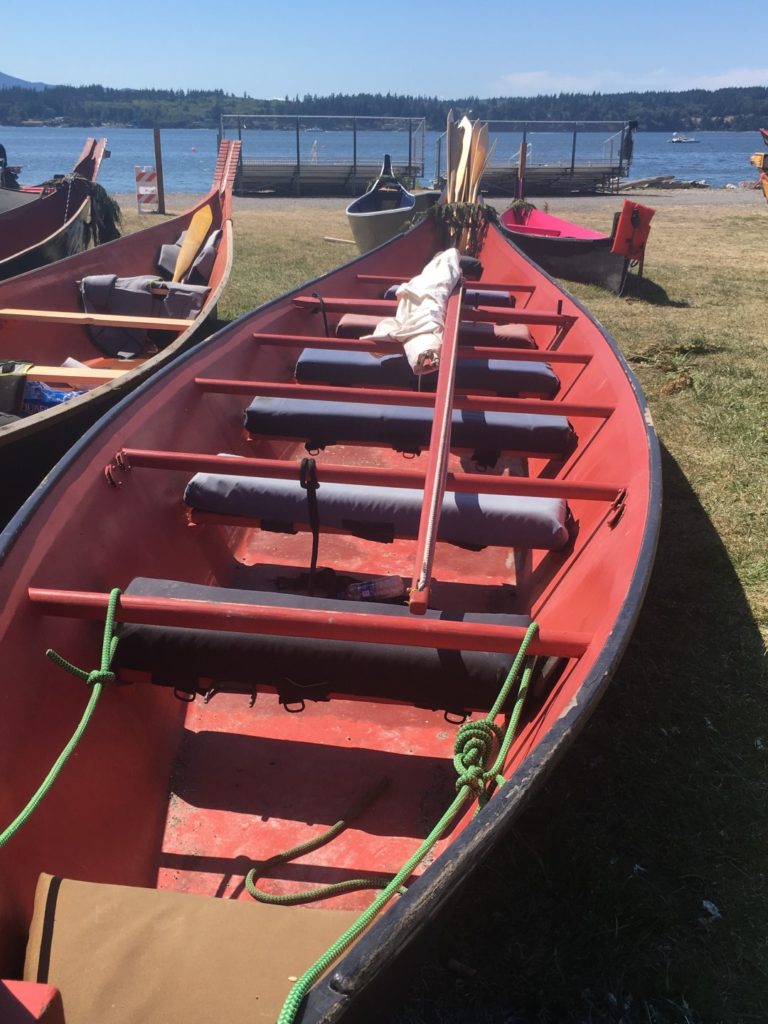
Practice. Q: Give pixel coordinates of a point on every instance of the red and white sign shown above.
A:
(146, 189)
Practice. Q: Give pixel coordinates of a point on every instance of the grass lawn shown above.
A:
(635, 887)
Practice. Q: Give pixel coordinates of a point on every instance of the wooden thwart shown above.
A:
(53, 316)
(74, 376)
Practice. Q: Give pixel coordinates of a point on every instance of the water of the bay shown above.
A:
(189, 155)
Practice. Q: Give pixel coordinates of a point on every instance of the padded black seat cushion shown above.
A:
(310, 669)
(405, 428)
(477, 520)
(357, 325)
(502, 376)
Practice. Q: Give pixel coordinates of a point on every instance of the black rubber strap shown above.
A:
(321, 300)
(308, 480)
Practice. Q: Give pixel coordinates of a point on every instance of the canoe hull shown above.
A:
(595, 589)
(53, 225)
(586, 260)
(385, 210)
(566, 250)
(373, 229)
(70, 240)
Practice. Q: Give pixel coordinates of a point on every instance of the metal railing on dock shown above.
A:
(562, 157)
(305, 155)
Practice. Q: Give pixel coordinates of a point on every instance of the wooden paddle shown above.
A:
(452, 151)
(476, 128)
(479, 151)
(481, 171)
(521, 170)
(460, 192)
(197, 232)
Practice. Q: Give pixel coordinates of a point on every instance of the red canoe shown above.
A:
(257, 699)
(576, 253)
(39, 227)
(45, 320)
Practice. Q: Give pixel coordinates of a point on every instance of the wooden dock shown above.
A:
(551, 181)
(262, 178)
(322, 155)
(288, 155)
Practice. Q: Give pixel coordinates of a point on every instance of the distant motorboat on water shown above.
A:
(678, 137)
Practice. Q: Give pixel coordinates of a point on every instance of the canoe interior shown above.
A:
(11, 199)
(526, 220)
(212, 784)
(32, 444)
(384, 196)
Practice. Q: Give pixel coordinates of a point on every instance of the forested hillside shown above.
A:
(742, 109)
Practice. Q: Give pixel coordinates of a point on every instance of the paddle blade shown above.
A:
(461, 189)
(197, 232)
(479, 152)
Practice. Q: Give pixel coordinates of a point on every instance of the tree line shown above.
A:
(735, 109)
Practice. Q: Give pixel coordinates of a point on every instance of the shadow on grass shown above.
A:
(633, 889)
(642, 289)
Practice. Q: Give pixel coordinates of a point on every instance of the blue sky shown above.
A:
(449, 50)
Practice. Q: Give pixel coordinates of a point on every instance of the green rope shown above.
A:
(96, 681)
(323, 891)
(475, 779)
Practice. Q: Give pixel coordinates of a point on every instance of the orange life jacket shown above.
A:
(632, 230)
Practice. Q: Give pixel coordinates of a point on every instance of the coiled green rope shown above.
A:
(471, 755)
(96, 681)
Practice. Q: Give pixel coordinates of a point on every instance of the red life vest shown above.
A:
(632, 230)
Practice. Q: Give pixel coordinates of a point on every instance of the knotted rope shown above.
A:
(96, 679)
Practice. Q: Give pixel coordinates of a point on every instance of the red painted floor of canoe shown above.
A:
(250, 782)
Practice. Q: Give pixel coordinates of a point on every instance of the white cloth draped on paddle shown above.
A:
(420, 317)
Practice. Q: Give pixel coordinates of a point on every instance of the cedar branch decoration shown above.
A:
(463, 224)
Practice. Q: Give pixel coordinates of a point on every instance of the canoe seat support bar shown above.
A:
(562, 322)
(366, 627)
(381, 396)
(385, 280)
(128, 459)
(383, 345)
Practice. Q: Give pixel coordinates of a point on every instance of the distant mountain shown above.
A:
(9, 82)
